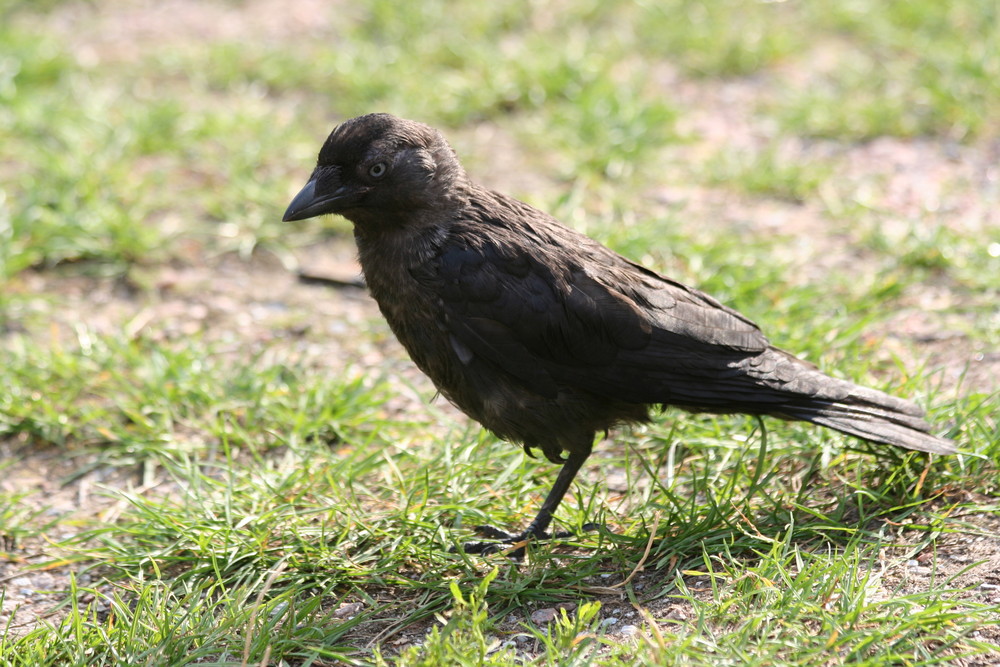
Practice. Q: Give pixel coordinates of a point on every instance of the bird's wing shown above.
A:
(603, 324)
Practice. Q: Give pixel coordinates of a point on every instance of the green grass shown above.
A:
(265, 497)
(912, 69)
(769, 173)
(721, 39)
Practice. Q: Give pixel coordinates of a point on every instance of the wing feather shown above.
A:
(539, 316)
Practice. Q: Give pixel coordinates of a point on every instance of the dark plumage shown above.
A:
(540, 333)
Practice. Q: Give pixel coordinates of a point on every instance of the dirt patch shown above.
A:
(34, 586)
(128, 29)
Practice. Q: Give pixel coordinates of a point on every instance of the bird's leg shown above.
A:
(539, 525)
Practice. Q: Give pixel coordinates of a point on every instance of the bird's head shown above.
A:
(377, 168)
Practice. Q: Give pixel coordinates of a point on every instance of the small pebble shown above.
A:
(347, 610)
(676, 614)
(541, 616)
(629, 630)
(609, 621)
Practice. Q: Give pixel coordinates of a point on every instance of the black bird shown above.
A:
(543, 335)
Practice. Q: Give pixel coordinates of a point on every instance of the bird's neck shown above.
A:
(388, 253)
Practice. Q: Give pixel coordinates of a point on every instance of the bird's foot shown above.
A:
(514, 544)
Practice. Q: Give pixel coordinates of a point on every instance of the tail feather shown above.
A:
(880, 430)
(859, 411)
(878, 422)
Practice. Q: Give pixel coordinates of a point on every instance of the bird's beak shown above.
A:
(309, 204)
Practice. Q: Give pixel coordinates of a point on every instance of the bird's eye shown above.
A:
(377, 170)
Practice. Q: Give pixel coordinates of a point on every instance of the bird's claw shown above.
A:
(514, 544)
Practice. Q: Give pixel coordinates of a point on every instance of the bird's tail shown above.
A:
(872, 415)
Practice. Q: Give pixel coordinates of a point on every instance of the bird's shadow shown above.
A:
(672, 532)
